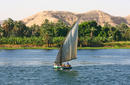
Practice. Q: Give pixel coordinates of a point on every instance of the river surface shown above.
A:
(92, 67)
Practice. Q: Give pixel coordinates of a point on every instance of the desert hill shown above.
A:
(69, 17)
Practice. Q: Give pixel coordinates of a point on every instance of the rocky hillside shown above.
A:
(69, 17)
(53, 16)
(101, 18)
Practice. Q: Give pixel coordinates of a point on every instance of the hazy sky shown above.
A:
(19, 9)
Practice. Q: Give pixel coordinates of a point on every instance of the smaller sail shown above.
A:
(68, 51)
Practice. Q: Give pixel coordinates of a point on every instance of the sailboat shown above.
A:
(68, 50)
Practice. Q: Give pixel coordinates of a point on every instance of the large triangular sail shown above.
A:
(68, 51)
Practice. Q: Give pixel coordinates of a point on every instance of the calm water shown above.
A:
(92, 67)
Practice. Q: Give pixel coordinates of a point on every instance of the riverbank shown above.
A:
(58, 48)
(25, 47)
(111, 45)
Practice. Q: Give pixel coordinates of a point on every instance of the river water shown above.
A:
(92, 67)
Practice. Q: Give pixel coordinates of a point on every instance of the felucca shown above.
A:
(68, 50)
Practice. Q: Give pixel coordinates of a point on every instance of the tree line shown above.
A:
(53, 34)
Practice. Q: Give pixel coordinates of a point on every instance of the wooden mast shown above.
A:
(61, 56)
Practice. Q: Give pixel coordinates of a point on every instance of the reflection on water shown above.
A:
(68, 73)
(67, 77)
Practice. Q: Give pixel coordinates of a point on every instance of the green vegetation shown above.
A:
(52, 35)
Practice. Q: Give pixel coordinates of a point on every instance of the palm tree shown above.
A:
(47, 32)
(92, 31)
(1, 31)
(8, 26)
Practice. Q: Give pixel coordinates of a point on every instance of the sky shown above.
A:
(19, 9)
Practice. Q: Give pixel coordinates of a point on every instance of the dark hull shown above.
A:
(62, 68)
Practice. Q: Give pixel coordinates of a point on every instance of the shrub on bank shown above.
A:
(22, 40)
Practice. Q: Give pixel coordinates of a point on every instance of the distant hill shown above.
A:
(102, 17)
(69, 17)
(53, 16)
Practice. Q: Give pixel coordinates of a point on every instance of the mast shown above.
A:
(61, 57)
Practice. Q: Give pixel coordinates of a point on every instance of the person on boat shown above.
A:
(55, 65)
(68, 65)
(63, 65)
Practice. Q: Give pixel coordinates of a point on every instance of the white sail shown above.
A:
(68, 51)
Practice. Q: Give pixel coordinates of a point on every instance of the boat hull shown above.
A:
(62, 68)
